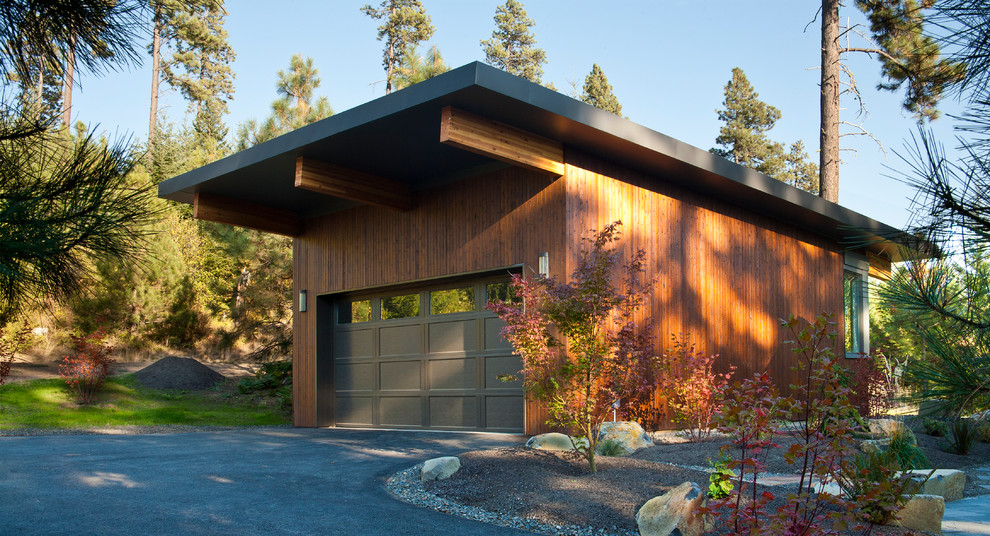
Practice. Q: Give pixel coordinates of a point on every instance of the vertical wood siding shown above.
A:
(724, 276)
(499, 219)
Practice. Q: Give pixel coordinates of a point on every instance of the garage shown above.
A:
(426, 357)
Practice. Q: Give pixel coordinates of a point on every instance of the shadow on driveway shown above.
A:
(265, 481)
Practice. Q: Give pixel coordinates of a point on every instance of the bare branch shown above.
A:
(863, 132)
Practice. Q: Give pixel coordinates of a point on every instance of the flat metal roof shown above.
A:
(397, 137)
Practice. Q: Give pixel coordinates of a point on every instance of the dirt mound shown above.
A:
(174, 372)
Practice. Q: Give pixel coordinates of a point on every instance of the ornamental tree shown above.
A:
(581, 347)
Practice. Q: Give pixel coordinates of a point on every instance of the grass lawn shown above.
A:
(50, 404)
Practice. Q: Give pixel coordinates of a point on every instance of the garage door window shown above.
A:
(501, 292)
(354, 311)
(404, 306)
(454, 300)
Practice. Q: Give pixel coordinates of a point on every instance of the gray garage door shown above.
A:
(425, 358)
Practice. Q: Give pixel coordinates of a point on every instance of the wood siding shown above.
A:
(500, 219)
(724, 276)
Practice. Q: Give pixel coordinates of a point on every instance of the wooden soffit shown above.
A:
(501, 141)
(239, 213)
(338, 181)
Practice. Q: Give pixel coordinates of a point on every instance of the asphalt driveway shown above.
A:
(266, 481)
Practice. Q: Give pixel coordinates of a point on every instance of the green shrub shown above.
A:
(983, 431)
(907, 454)
(274, 378)
(720, 481)
(935, 427)
(961, 437)
(874, 479)
(611, 448)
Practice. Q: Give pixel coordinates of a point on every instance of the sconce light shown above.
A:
(545, 264)
(302, 301)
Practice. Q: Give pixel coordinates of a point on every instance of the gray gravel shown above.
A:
(407, 486)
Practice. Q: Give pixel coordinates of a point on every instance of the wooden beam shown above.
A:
(239, 213)
(330, 179)
(500, 141)
(879, 267)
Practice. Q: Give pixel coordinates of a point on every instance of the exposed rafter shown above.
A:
(231, 211)
(331, 179)
(500, 141)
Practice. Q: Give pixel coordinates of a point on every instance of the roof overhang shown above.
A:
(397, 138)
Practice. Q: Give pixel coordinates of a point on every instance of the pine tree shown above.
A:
(906, 55)
(598, 92)
(415, 68)
(512, 46)
(293, 109)
(405, 25)
(743, 138)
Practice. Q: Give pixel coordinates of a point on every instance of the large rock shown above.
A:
(946, 483)
(630, 435)
(889, 427)
(922, 512)
(555, 441)
(674, 512)
(440, 468)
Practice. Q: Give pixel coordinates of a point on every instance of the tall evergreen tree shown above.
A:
(405, 24)
(906, 55)
(743, 138)
(598, 92)
(512, 47)
(416, 68)
(293, 109)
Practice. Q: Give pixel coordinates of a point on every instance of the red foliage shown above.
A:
(872, 390)
(694, 391)
(85, 371)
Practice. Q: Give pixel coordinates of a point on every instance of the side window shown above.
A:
(856, 305)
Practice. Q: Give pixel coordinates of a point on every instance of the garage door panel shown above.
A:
(453, 373)
(454, 411)
(493, 335)
(504, 412)
(355, 376)
(453, 336)
(355, 343)
(502, 365)
(354, 410)
(401, 340)
(400, 375)
(400, 411)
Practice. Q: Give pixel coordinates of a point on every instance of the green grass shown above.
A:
(50, 404)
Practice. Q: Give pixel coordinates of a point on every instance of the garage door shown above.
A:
(425, 358)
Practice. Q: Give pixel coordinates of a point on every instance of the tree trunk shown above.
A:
(70, 66)
(156, 44)
(828, 179)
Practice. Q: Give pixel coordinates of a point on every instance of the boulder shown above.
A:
(874, 446)
(889, 427)
(946, 483)
(440, 468)
(922, 512)
(674, 512)
(555, 441)
(630, 435)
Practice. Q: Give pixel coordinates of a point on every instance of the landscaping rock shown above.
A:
(946, 483)
(630, 435)
(440, 468)
(922, 512)
(555, 441)
(889, 427)
(874, 446)
(674, 512)
(178, 373)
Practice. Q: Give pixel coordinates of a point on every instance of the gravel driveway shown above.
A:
(243, 482)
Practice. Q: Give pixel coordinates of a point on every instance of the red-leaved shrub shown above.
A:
(85, 371)
(872, 389)
(694, 391)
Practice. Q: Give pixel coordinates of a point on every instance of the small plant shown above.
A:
(906, 452)
(962, 436)
(935, 427)
(695, 392)
(85, 371)
(10, 344)
(611, 448)
(983, 431)
(720, 481)
(874, 478)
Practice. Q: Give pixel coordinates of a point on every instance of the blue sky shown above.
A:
(668, 61)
